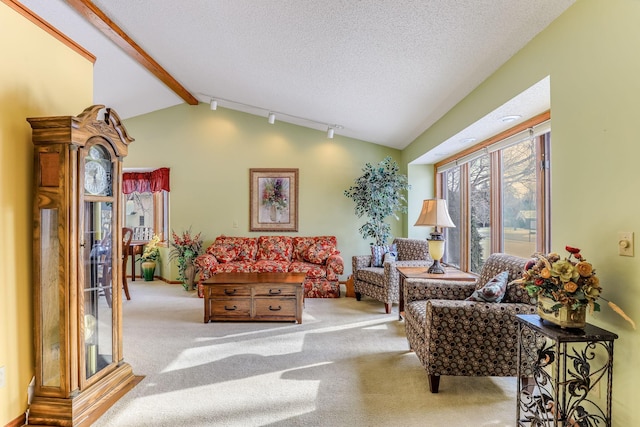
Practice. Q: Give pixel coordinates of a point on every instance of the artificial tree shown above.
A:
(378, 194)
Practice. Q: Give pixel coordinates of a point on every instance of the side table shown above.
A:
(450, 273)
(569, 366)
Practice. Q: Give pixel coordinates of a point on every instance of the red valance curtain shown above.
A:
(145, 182)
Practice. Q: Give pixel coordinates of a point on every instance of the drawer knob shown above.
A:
(275, 291)
(235, 307)
(230, 291)
(272, 308)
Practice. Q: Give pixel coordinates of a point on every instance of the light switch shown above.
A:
(625, 243)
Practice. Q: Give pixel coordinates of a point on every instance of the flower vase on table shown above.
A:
(564, 288)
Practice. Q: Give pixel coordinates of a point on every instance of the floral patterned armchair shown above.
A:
(452, 336)
(383, 283)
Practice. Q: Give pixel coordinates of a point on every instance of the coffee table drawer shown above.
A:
(274, 290)
(275, 308)
(229, 291)
(231, 308)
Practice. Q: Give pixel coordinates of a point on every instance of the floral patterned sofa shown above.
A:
(317, 256)
(454, 336)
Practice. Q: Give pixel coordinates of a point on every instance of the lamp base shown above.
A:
(436, 268)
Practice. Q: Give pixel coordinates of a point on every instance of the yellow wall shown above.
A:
(39, 76)
(592, 53)
(210, 154)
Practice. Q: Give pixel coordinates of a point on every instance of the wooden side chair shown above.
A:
(127, 236)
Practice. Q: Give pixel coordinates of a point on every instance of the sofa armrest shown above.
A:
(205, 263)
(335, 267)
(427, 289)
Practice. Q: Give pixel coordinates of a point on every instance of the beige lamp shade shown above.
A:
(435, 213)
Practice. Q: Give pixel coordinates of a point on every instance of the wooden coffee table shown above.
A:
(254, 297)
(450, 273)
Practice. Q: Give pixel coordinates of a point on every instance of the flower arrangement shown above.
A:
(570, 282)
(274, 193)
(185, 248)
(151, 251)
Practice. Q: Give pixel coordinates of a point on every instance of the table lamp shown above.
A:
(435, 213)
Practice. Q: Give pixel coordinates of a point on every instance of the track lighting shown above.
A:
(330, 131)
(271, 114)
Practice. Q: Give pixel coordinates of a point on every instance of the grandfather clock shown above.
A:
(77, 252)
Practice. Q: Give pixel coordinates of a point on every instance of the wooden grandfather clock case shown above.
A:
(77, 253)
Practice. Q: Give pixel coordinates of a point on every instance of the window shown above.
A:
(498, 196)
(146, 203)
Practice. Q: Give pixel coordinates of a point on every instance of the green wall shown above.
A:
(592, 53)
(210, 154)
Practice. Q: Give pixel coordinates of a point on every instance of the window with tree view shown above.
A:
(498, 196)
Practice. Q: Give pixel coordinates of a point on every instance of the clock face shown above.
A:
(95, 177)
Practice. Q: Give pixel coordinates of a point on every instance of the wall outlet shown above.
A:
(235, 224)
(2, 379)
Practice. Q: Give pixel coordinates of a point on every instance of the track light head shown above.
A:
(330, 132)
(272, 118)
(214, 105)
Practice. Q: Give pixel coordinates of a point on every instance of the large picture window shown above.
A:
(146, 203)
(498, 196)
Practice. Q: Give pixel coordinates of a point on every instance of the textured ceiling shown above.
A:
(384, 69)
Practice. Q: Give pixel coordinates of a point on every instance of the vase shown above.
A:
(273, 213)
(565, 317)
(190, 272)
(148, 270)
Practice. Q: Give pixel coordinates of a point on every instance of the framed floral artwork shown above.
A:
(273, 199)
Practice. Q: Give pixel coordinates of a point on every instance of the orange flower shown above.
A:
(584, 268)
(571, 286)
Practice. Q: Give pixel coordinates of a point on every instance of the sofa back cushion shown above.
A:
(412, 249)
(301, 246)
(275, 248)
(242, 248)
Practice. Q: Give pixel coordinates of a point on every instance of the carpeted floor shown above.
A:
(347, 364)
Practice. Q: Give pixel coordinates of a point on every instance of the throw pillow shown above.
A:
(224, 254)
(389, 257)
(377, 254)
(493, 290)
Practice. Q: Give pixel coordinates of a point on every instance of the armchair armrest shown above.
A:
(427, 289)
(359, 262)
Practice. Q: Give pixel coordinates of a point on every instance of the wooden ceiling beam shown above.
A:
(102, 22)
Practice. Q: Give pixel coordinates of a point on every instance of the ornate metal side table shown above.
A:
(572, 374)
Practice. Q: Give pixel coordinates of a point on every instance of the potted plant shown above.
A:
(379, 193)
(185, 249)
(150, 255)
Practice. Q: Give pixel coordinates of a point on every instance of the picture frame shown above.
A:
(273, 199)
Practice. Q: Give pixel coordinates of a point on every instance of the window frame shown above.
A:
(494, 146)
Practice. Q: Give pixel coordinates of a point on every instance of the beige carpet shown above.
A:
(347, 364)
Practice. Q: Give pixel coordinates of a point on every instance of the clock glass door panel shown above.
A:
(51, 338)
(98, 286)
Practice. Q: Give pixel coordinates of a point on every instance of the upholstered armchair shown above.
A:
(453, 336)
(383, 283)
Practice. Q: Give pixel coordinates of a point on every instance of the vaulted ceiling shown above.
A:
(383, 70)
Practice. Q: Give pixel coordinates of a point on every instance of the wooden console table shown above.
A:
(254, 297)
(136, 247)
(450, 273)
(569, 366)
